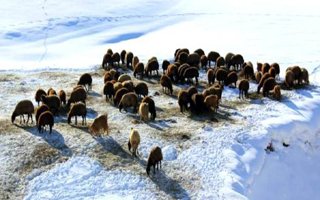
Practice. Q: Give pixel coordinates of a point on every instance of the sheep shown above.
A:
(243, 88)
(204, 61)
(277, 92)
(297, 74)
(78, 87)
(129, 57)
(183, 100)
(258, 76)
(183, 58)
(106, 61)
(63, 97)
(165, 82)
(304, 76)
(211, 76)
(107, 77)
(265, 68)
(289, 79)
(109, 51)
(193, 59)
(212, 101)
(236, 61)
(212, 57)
(272, 72)
(172, 72)
(108, 90)
(165, 64)
(181, 69)
(129, 85)
(86, 80)
(77, 95)
(141, 89)
(117, 86)
(116, 58)
(124, 77)
(191, 90)
(190, 73)
(78, 109)
(138, 69)
(232, 77)
(248, 70)
(214, 89)
(118, 95)
(38, 95)
(276, 66)
(123, 56)
(263, 79)
(100, 122)
(200, 52)
(40, 110)
(268, 85)
(154, 159)
(180, 51)
(221, 75)
(197, 103)
(144, 111)
(152, 107)
(24, 107)
(53, 102)
(227, 59)
(129, 99)
(152, 65)
(134, 141)
(45, 119)
(135, 61)
(259, 67)
(51, 92)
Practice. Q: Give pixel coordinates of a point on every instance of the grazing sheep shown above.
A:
(259, 67)
(129, 99)
(227, 59)
(183, 100)
(236, 61)
(212, 57)
(40, 110)
(86, 80)
(63, 97)
(144, 111)
(258, 76)
(220, 62)
(200, 52)
(116, 58)
(221, 75)
(297, 74)
(118, 95)
(45, 119)
(109, 51)
(107, 77)
(211, 76)
(276, 66)
(272, 72)
(138, 69)
(100, 122)
(165, 82)
(141, 89)
(197, 103)
(123, 56)
(263, 79)
(172, 72)
(212, 101)
(38, 95)
(214, 89)
(129, 57)
(191, 90)
(129, 85)
(265, 68)
(289, 79)
(165, 64)
(135, 61)
(193, 59)
(124, 77)
(191, 73)
(204, 61)
(304, 76)
(248, 70)
(24, 107)
(277, 92)
(181, 69)
(117, 86)
(53, 102)
(152, 65)
(78, 109)
(152, 107)
(232, 77)
(268, 85)
(78, 87)
(154, 159)
(108, 90)
(79, 94)
(51, 92)
(243, 88)
(180, 51)
(134, 141)
(106, 61)
(183, 58)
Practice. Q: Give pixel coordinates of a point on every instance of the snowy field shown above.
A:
(51, 43)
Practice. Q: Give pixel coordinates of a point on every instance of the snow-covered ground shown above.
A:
(56, 41)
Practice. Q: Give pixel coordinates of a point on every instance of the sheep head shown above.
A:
(13, 116)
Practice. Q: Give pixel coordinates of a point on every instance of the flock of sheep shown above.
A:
(120, 89)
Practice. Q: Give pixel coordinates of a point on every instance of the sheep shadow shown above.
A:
(94, 93)
(112, 146)
(169, 185)
(290, 104)
(91, 113)
(55, 139)
(159, 124)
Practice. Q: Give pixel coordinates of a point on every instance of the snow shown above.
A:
(227, 161)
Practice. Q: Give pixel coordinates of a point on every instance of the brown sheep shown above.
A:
(129, 85)
(214, 89)
(220, 62)
(181, 51)
(221, 75)
(24, 107)
(172, 72)
(277, 92)
(109, 51)
(199, 51)
(243, 88)
(141, 89)
(152, 107)
(211, 76)
(268, 85)
(135, 61)
(108, 90)
(117, 86)
(154, 159)
(86, 80)
(129, 100)
(232, 77)
(107, 77)
(304, 76)
(63, 97)
(138, 69)
(124, 77)
(45, 119)
(212, 57)
(100, 122)
(263, 79)
(204, 61)
(129, 57)
(38, 95)
(258, 76)
(181, 69)
(106, 61)
(193, 59)
(212, 101)
(297, 74)
(165, 64)
(116, 59)
(272, 72)
(51, 92)
(183, 100)
(78, 109)
(289, 79)
(183, 58)
(248, 70)
(227, 59)
(236, 61)
(53, 102)
(144, 111)
(265, 68)
(197, 103)
(191, 73)
(118, 95)
(276, 66)
(165, 82)
(152, 65)
(40, 110)
(134, 141)
(77, 95)
(123, 56)
(192, 90)
(259, 67)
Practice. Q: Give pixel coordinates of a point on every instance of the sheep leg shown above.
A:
(75, 120)
(50, 128)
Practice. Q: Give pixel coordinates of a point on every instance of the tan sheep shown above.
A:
(154, 159)
(51, 92)
(124, 77)
(100, 122)
(212, 101)
(134, 141)
(277, 92)
(166, 83)
(129, 99)
(24, 107)
(135, 61)
(144, 111)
